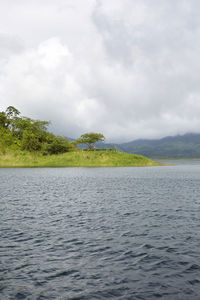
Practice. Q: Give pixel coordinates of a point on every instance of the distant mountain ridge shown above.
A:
(180, 146)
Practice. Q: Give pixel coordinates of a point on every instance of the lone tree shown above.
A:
(90, 139)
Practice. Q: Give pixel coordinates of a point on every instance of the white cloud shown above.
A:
(128, 69)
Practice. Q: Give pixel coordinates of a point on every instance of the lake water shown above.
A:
(100, 233)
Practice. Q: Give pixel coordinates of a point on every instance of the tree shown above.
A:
(3, 119)
(90, 139)
(6, 139)
(37, 127)
(18, 132)
(56, 145)
(12, 112)
(30, 141)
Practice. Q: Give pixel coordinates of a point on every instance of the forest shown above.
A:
(25, 142)
(22, 133)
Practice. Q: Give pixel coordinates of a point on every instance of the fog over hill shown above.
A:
(180, 146)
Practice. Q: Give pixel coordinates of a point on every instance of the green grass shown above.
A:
(75, 159)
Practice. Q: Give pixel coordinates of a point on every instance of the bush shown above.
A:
(57, 145)
(30, 141)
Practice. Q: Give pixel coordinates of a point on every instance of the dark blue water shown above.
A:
(100, 233)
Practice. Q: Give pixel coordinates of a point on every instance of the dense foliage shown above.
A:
(18, 132)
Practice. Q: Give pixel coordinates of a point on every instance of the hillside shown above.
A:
(180, 146)
(75, 159)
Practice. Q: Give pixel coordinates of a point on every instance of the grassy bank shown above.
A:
(74, 159)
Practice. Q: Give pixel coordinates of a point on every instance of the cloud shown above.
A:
(128, 69)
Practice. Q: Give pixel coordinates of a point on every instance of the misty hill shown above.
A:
(180, 146)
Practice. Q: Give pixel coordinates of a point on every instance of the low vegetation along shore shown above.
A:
(75, 159)
(25, 142)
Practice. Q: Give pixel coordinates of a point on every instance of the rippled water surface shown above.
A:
(100, 233)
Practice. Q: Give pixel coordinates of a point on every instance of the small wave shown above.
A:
(62, 273)
(148, 246)
(193, 267)
(194, 281)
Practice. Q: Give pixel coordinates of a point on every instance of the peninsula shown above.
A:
(25, 142)
(78, 158)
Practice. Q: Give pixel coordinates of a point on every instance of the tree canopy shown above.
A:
(23, 133)
(90, 139)
(18, 132)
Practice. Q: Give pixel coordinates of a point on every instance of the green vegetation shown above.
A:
(25, 142)
(22, 133)
(181, 146)
(90, 139)
(79, 158)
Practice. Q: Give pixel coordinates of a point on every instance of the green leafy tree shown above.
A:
(35, 126)
(30, 141)
(24, 133)
(6, 139)
(7, 118)
(3, 119)
(12, 115)
(56, 145)
(90, 139)
(12, 112)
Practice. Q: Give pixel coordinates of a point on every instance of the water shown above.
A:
(100, 233)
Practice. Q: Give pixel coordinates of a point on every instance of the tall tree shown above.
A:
(12, 112)
(12, 115)
(3, 119)
(90, 139)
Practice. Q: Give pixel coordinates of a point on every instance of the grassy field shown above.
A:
(75, 159)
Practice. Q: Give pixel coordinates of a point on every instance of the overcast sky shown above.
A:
(126, 68)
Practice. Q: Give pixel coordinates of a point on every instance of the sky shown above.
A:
(129, 69)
